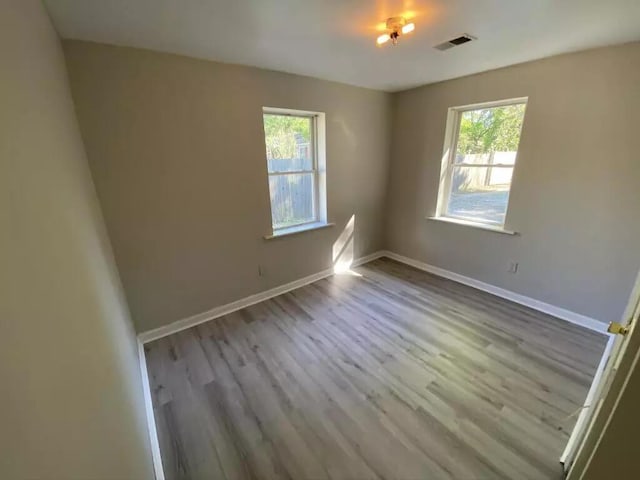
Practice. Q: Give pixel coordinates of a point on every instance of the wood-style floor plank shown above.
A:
(385, 373)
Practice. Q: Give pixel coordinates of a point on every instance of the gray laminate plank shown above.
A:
(390, 373)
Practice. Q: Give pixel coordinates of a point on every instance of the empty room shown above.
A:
(340, 239)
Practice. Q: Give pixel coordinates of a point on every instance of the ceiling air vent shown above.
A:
(454, 42)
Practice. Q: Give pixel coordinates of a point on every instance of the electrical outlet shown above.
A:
(513, 267)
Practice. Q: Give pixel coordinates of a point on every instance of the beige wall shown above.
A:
(71, 404)
(575, 194)
(177, 153)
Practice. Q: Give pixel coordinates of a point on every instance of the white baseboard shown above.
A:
(156, 333)
(151, 335)
(185, 323)
(564, 314)
(151, 421)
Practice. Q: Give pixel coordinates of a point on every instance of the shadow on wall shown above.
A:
(343, 249)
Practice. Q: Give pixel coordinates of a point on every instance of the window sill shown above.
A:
(283, 232)
(468, 223)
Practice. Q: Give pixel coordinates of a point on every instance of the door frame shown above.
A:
(615, 375)
(586, 413)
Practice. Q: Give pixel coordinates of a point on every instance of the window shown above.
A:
(481, 147)
(294, 144)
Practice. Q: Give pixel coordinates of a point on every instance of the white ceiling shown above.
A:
(335, 39)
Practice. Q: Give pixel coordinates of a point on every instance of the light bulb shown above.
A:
(408, 28)
(383, 39)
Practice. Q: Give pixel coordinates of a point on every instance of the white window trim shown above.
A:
(448, 162)
(305, 227)
(319, 170)
(467, 223)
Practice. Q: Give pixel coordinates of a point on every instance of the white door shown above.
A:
(616, 346)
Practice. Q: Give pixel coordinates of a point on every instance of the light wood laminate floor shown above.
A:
(394, 374)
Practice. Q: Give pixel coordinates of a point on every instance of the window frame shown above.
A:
(448, 164)
(318, 170)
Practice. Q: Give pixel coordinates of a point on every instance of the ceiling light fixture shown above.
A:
(397, 26)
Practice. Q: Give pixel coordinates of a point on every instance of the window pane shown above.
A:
(490, 135)
(291, 199)
(480, 193)
(288, 141)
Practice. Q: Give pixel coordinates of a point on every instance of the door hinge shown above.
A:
(617, 328)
